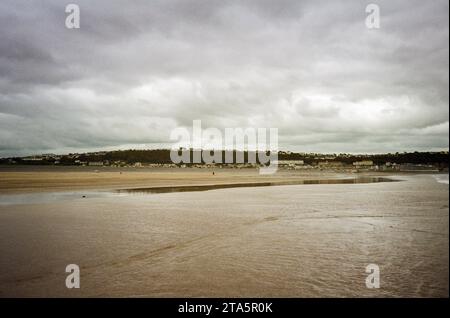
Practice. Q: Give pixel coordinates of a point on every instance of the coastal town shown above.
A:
(398, 162)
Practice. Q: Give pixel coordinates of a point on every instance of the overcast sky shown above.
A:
(136, 70)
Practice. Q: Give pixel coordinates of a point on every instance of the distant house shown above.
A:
(363, 163)
(33, 159)
(290, 163)
(95, 163)
(331, 164)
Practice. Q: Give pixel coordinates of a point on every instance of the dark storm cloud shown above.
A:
(134, 71)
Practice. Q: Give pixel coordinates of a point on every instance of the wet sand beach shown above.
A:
(298, 240)
(29, 179)
(46, 179)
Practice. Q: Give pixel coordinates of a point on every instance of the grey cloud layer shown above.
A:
(134, 71)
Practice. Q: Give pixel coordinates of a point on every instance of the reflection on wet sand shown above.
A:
(193, 188)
